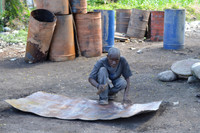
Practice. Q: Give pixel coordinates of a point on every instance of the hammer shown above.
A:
(108, 83)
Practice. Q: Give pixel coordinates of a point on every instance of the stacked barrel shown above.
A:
(59, 46)
(53, 34)
(167, 26)
(88, 28)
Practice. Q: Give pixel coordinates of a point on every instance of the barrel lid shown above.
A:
(183, 67)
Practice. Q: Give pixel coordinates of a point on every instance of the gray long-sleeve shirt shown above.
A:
(121, 69)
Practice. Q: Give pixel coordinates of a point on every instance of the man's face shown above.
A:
(113, 60)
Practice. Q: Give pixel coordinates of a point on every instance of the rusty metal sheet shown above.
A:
(62, 107)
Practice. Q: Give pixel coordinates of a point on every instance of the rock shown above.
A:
(15, 32)
(195, 69)
(6, 29)
(13, 59)
(167, 76)
(131, 48)
(175, 103)
(183, 67)
(139, 51)
(192, 79)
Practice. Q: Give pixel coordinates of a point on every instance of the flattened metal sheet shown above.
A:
(58, 106)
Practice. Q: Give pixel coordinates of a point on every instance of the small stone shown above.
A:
(132, 48)
(139, 51)
(192, 79)
(176, 103)
(15, 32)
(6, 29)
(167, 76)
(13, 59)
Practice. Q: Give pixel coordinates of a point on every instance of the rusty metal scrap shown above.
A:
(58, 106)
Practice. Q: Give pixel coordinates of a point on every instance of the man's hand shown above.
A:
(101, 88)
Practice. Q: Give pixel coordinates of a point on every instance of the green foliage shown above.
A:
(157, 5)
(14, 10)
(19, 37)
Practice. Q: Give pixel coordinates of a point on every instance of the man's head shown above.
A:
(113, 57)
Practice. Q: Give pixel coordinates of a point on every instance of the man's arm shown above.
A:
(93, 82)
(126, 91)
(96, 84)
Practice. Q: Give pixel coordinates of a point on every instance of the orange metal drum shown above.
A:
(89, 33)
(157, 25)
(78, 6)
(62, 45)
(55, 6)
(41, 27)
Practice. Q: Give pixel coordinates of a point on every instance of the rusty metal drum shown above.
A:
(156, 27)
(40, 31)
(138, 23)
(62, 44)
(122, 20)
(55, 6)
(78, 6)
(89, 33)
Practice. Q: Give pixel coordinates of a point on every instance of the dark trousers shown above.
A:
(119, 84)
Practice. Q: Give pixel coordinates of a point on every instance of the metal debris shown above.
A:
(58, 106)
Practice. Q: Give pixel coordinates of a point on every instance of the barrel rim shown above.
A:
(54, 17)
(174, 9)
(123, 9)
(59, 15)
(157, 11)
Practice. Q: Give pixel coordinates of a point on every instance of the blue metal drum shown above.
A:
(108, 28)
(174, 29)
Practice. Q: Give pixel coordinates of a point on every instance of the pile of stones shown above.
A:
(189, 68)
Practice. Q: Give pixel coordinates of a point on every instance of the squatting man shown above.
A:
(106, 76)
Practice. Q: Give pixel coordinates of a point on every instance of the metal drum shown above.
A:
(55, 6)
(122, 20)
(89, 33)
(174, 29)
(156, 25)
(62, 44)
(40, 31)
(78, 6)
(108, 28)
(138, 23)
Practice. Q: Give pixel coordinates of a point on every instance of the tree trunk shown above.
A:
(3, 5)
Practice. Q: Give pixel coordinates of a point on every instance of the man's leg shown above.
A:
(102, 79)
(119, 84)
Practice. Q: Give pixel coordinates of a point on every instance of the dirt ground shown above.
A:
(178, 113)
